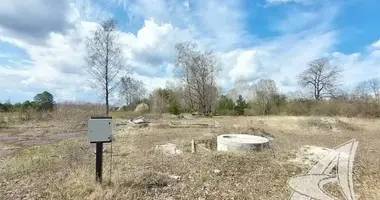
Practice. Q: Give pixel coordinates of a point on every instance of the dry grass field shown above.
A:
(49, 164)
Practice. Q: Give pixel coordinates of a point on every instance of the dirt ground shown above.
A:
(43, 162)
(19, 136)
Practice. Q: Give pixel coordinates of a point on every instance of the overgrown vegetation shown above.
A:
(72, 116)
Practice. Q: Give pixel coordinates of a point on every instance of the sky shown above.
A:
(42, 42)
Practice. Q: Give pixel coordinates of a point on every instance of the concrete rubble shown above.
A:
(168, 149)
(121, 122)
(139, 120)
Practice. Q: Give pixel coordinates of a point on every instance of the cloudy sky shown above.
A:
(41, 41)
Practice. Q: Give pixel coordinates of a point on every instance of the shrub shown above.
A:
(240, 105)
(3, 123)
(174, 106)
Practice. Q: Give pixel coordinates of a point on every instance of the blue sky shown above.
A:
(42, 46)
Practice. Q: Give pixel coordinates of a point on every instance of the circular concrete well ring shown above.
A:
(241, 142)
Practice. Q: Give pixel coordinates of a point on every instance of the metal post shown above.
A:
(99, 161)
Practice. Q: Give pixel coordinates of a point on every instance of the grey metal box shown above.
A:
(100, 130)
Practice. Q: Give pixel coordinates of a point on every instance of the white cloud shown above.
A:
(376, 44)
(357, 66)
(290, 1)
(312, 19)
(209, 22)
(186, 4)
(55, 64)
(152, 48)
(280, 59)
(87, 10)
(247, 65)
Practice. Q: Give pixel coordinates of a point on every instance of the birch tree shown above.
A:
(132, 90)
(265, 89)
(198, 71)
(104, 59)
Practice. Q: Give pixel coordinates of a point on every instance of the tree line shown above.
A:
(41, 102)
(195, 87)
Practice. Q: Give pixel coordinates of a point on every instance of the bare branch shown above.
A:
(198, 71)
(104, 59)
(132, 90)
(321, 77)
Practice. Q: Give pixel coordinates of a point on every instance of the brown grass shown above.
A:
(65, 170)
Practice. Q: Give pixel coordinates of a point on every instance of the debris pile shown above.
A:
(140, 121)
(188, 125)
(121, 122)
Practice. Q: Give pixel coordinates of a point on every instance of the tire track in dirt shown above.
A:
(23, 141)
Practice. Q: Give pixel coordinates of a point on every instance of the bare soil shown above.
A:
(24, 135)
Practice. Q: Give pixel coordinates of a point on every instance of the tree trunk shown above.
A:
(107, 104)
(106, 77)
(107, 93)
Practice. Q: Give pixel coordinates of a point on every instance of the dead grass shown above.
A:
(64, 118)
(329, 123)
(66, 170)
(133, 114)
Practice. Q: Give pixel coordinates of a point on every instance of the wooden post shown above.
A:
(193, 147)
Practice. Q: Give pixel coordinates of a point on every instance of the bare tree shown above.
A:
(264, 91)
(104, 59)
(374, 85)
(241, 87)
(198, 72)
(342, 94)
(132, 90)
(321, 77)
(361, 91)
(366, 90)
(160, 100)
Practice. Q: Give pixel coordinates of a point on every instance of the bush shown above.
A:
(6, 107)
(226, 112)
(241, 105)
(174, 106)
(225, 106)
(3, 123)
